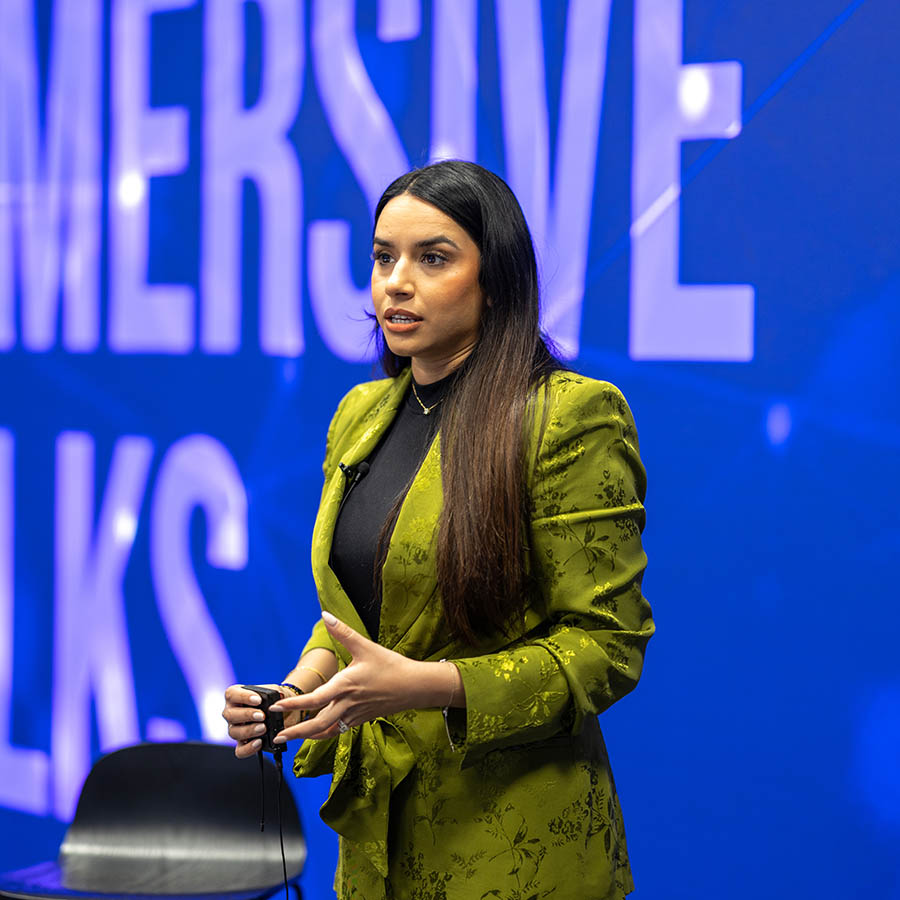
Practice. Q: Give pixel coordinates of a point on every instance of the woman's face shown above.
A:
(425, 287)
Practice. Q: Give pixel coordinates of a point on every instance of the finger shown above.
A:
(243, 730)
(246, 732)
(344, 634)
(332, 732)
(241, 715)
(243, 751)
(326, 723)
(240, 696)
(287, 735)
(313, 700)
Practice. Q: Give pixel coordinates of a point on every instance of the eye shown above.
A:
(433, 259)
(381, 258)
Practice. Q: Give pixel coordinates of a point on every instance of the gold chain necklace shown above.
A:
(425, 409)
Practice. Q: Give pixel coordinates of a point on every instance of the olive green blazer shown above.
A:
(512, 797)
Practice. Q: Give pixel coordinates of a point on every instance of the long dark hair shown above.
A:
(482, 532)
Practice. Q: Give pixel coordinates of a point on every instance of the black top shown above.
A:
(392, 466)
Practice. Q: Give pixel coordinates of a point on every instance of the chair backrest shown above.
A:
(179, 819)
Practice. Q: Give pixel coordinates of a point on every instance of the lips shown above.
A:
(400, 316)
(398, 321)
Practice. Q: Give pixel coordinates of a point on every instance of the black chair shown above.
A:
(176, 820)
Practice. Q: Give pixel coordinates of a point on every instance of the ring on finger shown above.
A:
(343, 727)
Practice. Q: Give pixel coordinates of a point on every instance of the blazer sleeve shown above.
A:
(587, 561)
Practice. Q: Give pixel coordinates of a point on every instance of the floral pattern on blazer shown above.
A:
(512, 798)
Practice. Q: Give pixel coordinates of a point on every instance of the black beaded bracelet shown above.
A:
(291, 687)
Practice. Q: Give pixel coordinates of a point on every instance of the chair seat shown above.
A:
(45, 881)
(172, 820)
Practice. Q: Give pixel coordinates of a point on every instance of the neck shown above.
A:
(427, 371)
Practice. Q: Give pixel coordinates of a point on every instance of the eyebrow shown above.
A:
(427, 242)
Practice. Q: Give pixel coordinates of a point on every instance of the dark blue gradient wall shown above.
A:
(185, 199)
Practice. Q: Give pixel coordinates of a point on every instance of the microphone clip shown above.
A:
(354, 473)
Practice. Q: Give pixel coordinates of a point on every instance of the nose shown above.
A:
(399, 282)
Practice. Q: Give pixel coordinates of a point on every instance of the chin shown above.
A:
(399, 347)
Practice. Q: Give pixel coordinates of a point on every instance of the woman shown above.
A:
(488, 564)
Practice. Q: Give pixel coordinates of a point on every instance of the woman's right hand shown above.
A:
(246, 721)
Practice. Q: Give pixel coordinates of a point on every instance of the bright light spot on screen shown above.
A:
(125, 526)
(132, 187)
(778, 424)
(694, 92)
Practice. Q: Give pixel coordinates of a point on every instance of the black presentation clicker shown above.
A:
(274, 721)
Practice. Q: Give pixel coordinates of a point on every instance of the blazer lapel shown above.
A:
(409, 574)
(363, 436)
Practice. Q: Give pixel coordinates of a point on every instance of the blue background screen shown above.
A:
(186, 191)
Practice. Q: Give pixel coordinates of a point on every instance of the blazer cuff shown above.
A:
(512, 697)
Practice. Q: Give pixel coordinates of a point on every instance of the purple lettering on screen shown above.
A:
(252, 143)
(454, 79)
(50, 207)
(358, 119)
(162, 730)
(25, 772)
(366, 136)
(674, 103)
(144, 142)
(197, 471)
(91, 653)
(338, 304)
(559, 216)
(398, 20)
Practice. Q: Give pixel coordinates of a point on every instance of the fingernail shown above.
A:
(279, 740)
(259, 729)
(256, 745)
(254, 700)
(329, 618)
(259, 715)
(275, 708)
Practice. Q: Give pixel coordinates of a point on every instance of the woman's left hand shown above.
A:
(377, 682)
